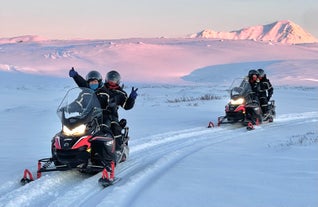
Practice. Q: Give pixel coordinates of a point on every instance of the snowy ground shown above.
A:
(175, 160)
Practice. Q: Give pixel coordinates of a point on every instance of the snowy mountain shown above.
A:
(284, 31)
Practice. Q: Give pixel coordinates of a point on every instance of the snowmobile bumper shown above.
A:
(235, 116)
(72, 157)
(44, 165)
(231, 118)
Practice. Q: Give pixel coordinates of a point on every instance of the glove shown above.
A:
(133, 93)
(72, 73)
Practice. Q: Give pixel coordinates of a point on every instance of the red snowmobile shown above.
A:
(77, 145)
(244, 106)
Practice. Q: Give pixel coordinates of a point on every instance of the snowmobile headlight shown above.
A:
(77, 131)
(110, 143)
(238, 101)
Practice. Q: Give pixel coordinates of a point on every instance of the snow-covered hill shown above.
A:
(284, 31)
(162, 60)
(21, 39)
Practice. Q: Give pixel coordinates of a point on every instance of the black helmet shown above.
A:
(94, 75)
(261, 72)
(112, 77)
(252, 72)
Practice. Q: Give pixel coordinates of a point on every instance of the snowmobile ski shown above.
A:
(250, 126)
(210, 125)
(27, 177)
(106, 182)
(108, 176)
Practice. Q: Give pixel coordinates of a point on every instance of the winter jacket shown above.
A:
(266, 88)
(80, 81)
(255, 87)
(111, 98)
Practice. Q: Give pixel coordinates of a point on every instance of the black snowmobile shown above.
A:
(77, 145)
(244, 106)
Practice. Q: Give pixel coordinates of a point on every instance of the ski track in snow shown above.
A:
(162, 150)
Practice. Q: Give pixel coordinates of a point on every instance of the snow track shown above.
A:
(150, 158)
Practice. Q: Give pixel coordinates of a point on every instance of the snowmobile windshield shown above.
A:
(240, 87)
(78, 103)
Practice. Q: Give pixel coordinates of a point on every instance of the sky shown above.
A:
(112, 19)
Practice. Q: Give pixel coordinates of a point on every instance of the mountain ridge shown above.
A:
(283, 31)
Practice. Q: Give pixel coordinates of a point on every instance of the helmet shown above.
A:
(94, 75)
(252, 72)
(112, 77)
(261, 72)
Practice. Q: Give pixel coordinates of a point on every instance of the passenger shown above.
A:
(265, 92)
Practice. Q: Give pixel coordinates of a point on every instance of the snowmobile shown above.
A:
(74, 147)
(244, 106)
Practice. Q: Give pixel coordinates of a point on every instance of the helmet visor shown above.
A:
(113, 77)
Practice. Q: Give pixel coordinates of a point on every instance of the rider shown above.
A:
(266, 91)
(254, 83)
(93, 79)
(111, 96)
(252, 114)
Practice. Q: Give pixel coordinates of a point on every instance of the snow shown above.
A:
(175, 160)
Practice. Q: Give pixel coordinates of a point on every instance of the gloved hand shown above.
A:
(133, 93)
(72, 73)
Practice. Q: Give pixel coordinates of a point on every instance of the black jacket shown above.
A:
(111, 98)
(266, 88)
(255, 87)
(80, 81)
